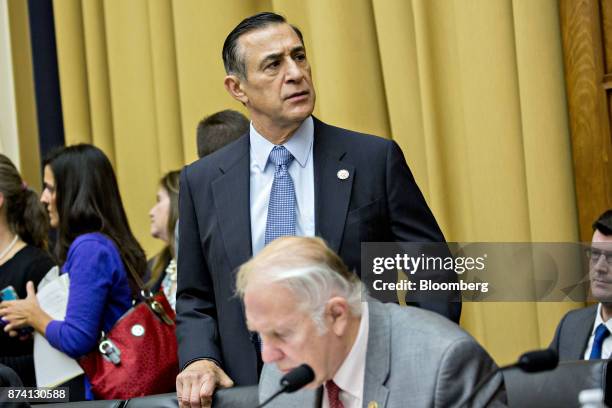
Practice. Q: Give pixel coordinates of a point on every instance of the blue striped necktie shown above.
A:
(600, 335)
(281, 209)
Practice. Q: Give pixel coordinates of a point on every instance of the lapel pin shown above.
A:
(343, 174)
(372, 404)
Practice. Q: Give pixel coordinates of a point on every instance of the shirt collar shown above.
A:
(350, 375)
(599, 320)
(299, 144)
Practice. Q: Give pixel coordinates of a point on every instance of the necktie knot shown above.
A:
(280, 156)
(333, 394)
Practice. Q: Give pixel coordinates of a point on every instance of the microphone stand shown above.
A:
(292, 381)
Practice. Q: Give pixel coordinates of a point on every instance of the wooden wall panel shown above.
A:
(582, 27)
(606, 23)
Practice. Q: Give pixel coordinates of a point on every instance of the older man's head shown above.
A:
(304, 303)
(268, 72)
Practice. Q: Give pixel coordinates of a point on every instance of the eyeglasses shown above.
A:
(594, 254)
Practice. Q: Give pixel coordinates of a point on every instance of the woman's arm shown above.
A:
(91, 267)
(25, 312)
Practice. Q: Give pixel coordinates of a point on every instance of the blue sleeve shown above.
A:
(91, 269)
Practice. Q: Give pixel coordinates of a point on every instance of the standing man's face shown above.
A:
(278, 88)
(600, 269)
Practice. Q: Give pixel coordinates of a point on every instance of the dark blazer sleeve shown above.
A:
(411, 220)
(410, 217)
(196, 330)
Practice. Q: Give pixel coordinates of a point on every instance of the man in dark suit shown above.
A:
(584, 334)
(290, 175)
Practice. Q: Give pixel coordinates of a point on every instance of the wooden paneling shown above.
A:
(606, 23)
(587, 45)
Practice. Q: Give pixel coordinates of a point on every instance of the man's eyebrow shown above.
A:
(278, 55)
(270, 57)
(297, 48)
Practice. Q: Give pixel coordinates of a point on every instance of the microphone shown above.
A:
(530, 362)
(539, 360)
(293, 381)
(297, 378)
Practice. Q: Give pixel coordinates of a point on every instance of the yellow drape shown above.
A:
(473, 91)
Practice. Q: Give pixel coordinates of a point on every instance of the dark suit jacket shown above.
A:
(380, 201)
(573, 332)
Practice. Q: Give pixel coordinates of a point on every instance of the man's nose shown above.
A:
(269, 353)
(294, 72)
(601, 264)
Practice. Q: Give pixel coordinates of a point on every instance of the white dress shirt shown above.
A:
(262, 175)
(606, 348)
(350, 375)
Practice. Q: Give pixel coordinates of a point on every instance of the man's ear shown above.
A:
(233, 84)
(1, 200)
(338, 310)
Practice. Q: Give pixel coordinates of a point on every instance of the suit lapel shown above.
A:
(332, 194)
(583, 332)
(378, 356)
(231, 194)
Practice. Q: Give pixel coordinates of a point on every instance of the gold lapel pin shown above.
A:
(372, 404)
(343, 175)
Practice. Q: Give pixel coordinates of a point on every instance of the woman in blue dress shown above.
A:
(95, 246)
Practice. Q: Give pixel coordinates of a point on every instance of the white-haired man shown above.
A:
(307, 307)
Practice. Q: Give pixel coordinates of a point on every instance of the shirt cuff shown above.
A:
(198, 359)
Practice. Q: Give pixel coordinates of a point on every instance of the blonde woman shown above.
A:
(164, 215)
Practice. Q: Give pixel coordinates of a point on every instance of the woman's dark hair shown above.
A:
(25, 215)
(170, 183)
(88, 200)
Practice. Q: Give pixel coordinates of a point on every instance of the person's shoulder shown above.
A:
(579, 314)
(220, 158)
(38, 256)
(92, 237)
(36, 253)
(91, 244)
(33, 263)
(351, 137)
(420, 323)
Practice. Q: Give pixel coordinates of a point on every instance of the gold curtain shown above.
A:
(473, 91)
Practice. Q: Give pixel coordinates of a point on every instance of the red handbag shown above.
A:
(138, 356)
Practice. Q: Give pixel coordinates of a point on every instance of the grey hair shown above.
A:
(314, 285)
(309, 269)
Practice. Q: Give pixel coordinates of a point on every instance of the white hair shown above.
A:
(314, 285)
(304, 266)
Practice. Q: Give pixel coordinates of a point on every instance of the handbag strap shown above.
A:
(146, 294)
